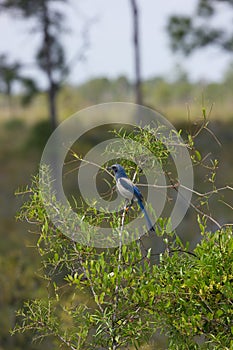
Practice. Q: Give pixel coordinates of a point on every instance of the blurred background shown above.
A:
(60, 56)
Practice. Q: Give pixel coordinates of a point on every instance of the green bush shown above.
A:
(39, 135)
(14, 124)
(117, 298)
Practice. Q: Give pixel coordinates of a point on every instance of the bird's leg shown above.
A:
(126, 207)
(128, 204)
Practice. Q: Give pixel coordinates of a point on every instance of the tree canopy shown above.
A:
(50, 56)
(188, 33)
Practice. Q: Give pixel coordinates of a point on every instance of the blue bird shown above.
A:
(129, 191)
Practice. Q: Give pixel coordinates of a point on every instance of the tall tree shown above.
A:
(9, 74)
(137, 57)
(50, 55)
(190, 33)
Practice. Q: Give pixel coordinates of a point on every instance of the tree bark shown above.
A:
(52, 95)
(137, 57)
(52, 88)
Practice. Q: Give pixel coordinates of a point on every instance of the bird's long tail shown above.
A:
(148, 221)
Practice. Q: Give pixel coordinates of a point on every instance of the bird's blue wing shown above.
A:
(137, 193)
(128, 190)
(125, 187)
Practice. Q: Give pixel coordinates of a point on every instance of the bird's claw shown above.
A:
(127, 207)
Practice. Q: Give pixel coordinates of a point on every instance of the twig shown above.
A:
(193, 206)
(86, 162)
(215, 191)
(213, 135)
(114, 317)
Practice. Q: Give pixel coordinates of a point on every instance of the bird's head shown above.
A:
(118, 170)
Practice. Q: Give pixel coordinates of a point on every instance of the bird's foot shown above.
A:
(128, 206)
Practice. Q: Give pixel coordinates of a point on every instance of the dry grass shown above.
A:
(70, 101)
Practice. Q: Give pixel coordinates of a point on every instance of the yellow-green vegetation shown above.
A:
(22, 136)
(177, 99)
(18, 260)
(117, 298)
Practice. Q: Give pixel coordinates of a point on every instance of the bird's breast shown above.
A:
(125, 189)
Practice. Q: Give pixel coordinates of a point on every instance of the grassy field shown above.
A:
(177, 100)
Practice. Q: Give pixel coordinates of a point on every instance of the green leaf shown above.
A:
(56, 257)
(198, 155)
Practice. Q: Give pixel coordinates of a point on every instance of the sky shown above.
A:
(110, 50)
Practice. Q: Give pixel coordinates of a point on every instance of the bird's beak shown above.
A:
(109, 168)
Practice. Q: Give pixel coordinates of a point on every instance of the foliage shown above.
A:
(168, 94)
(39, 135)
(186, 295)
(116, 298)
(172, 95)
(194, 295)
(9, 73)
(190, 33)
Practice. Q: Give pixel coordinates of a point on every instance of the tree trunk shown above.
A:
(9, 97)
(48, 68)
(136, 43)
(52, 94)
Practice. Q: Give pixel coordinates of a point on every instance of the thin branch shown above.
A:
(66, 342)
(227, 204)
(87, 162)
(194, 207)
(215, 191)
(213, 135)
(115, 344)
